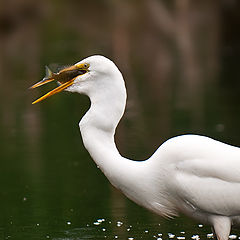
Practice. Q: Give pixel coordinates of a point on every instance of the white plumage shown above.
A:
(192, 174)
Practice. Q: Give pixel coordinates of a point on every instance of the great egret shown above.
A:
(192, 174)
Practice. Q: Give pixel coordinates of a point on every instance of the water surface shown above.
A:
(184, 81)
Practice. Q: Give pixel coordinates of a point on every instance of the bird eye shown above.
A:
(86, 65)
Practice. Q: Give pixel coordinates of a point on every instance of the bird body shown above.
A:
(192, 174)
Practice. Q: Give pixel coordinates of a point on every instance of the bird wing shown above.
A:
(209, 185)
(202, 173)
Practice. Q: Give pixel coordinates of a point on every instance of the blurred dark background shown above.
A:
(180, 61)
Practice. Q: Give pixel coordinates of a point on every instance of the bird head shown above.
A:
(86, 76)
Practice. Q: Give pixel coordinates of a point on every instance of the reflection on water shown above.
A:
(79, 233)
(104, 229)
(182, 77)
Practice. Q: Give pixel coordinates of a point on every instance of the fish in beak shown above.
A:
(64, 77)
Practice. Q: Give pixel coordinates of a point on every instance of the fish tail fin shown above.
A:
(49, 73)
(50, 76)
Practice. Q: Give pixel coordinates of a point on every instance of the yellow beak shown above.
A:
(65, 77)
(54, 91)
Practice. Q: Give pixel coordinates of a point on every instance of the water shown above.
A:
(49, 186)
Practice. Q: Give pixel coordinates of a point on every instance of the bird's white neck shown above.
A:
(98, 127)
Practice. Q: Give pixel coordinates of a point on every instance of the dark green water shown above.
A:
(49, 186)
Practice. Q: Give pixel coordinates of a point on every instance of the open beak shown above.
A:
(65, 77)
(54, 91)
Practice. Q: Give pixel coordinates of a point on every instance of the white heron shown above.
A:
(192, 174)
